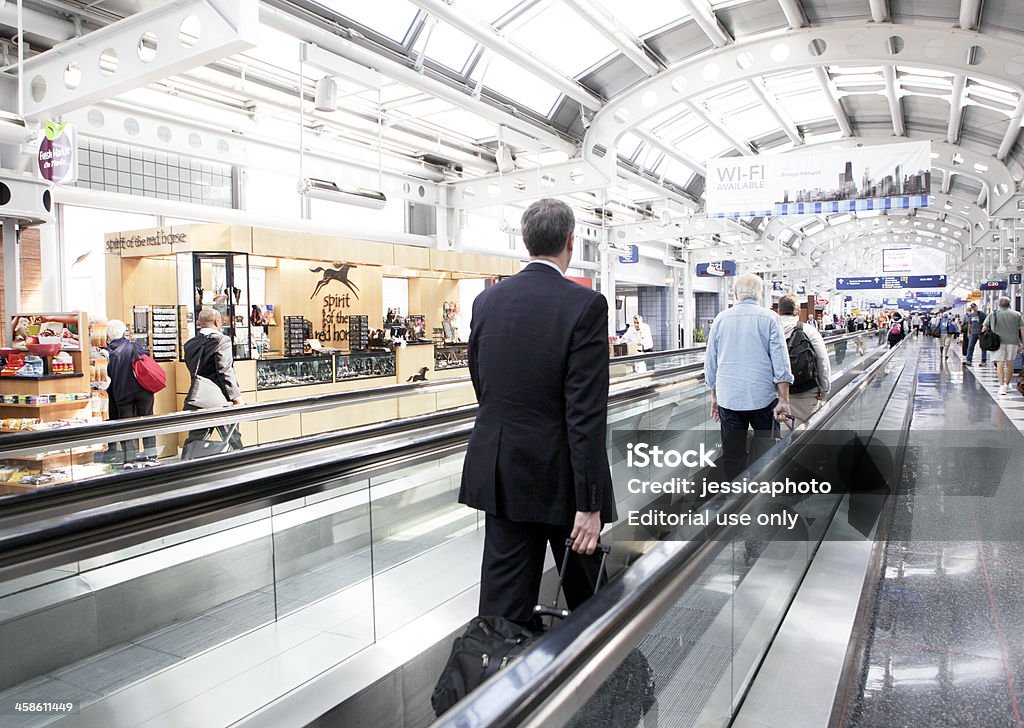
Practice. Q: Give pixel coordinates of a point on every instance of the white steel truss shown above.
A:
(136, 51)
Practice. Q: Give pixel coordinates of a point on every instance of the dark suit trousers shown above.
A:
(513, 565)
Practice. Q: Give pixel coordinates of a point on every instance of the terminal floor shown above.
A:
(946, 642)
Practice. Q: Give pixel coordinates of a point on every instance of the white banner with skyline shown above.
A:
(820, 181)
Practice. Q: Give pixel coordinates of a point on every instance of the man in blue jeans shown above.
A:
(973, 322)
(747, 368)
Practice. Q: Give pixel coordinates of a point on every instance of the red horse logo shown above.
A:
(338, 273)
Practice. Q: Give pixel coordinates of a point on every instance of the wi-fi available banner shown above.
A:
(885, 177)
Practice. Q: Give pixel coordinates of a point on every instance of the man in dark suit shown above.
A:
(209, 354)
(537, 463)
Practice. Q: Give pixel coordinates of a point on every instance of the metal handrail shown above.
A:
(31, 442)
(57, 525)
(563, 669)
(52, 526)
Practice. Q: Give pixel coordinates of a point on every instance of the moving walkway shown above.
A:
(237, 588)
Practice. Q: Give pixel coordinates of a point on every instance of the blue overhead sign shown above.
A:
(716, 269)
(633, 257)
(867, 283)
(915, 304)
(992, 286)
(927, 294)
(777, 286)
(1015, 279)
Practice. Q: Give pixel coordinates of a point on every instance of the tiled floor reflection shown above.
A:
(946, 644)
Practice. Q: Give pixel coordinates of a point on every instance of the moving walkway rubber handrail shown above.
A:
(54, 526)
(32, 442)
(561, 671)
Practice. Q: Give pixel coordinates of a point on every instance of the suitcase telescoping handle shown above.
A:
(554, 610)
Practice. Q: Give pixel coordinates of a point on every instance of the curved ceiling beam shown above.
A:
(933, 47)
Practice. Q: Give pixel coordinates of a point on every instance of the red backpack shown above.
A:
(147, 372)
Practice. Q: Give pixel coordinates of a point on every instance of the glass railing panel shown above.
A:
(114, 620)
(426, 545)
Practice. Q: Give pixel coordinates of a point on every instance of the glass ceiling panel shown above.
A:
(563, 40)
(447, 46)
(390, 18)
(643, 17)
(489, 11)
(509, 79)
(704, 145)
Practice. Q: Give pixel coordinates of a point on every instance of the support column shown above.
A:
(689, 303)
(12, 273)
(674, 318)
(53, 282)
(608, 284)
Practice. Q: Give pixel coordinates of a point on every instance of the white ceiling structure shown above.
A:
(617, 105)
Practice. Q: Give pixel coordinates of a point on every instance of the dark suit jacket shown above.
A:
(538, 357)
(218, 363)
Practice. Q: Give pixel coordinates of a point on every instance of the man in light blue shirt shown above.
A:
(747, 368)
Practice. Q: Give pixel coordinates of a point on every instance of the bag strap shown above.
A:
(202, 355)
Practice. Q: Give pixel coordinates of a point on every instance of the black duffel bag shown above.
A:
(487, 645)
(989, 339)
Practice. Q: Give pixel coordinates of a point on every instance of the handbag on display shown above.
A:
(148, 373)
(194, 449)
(204, 393)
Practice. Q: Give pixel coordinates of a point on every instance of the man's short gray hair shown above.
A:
(1004, 302)
(748, 287)
(546, 225)
(116, 328)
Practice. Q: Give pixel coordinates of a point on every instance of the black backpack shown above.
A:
(802, 361)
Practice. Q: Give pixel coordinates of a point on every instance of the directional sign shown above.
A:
(992, 285)
(716, 269)
(633, 257)
(889, 282)
(1015, 279)
(927, 294)
(777, 286)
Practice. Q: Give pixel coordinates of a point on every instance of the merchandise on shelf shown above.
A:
(165, 333)
(23, 365)
(62, 364)
(365, 364)
(273, 373)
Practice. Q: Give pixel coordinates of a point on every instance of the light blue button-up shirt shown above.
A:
(746, 357)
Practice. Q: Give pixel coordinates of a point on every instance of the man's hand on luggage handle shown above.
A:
(586, 531)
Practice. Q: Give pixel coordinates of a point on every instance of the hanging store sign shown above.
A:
(889, 282)
(974, 296)
(716, 269)
(633, 257)
(58, 154)
(1015, 279)
(777, 286)
(992, 285)
(896, 260)
(887, 177)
